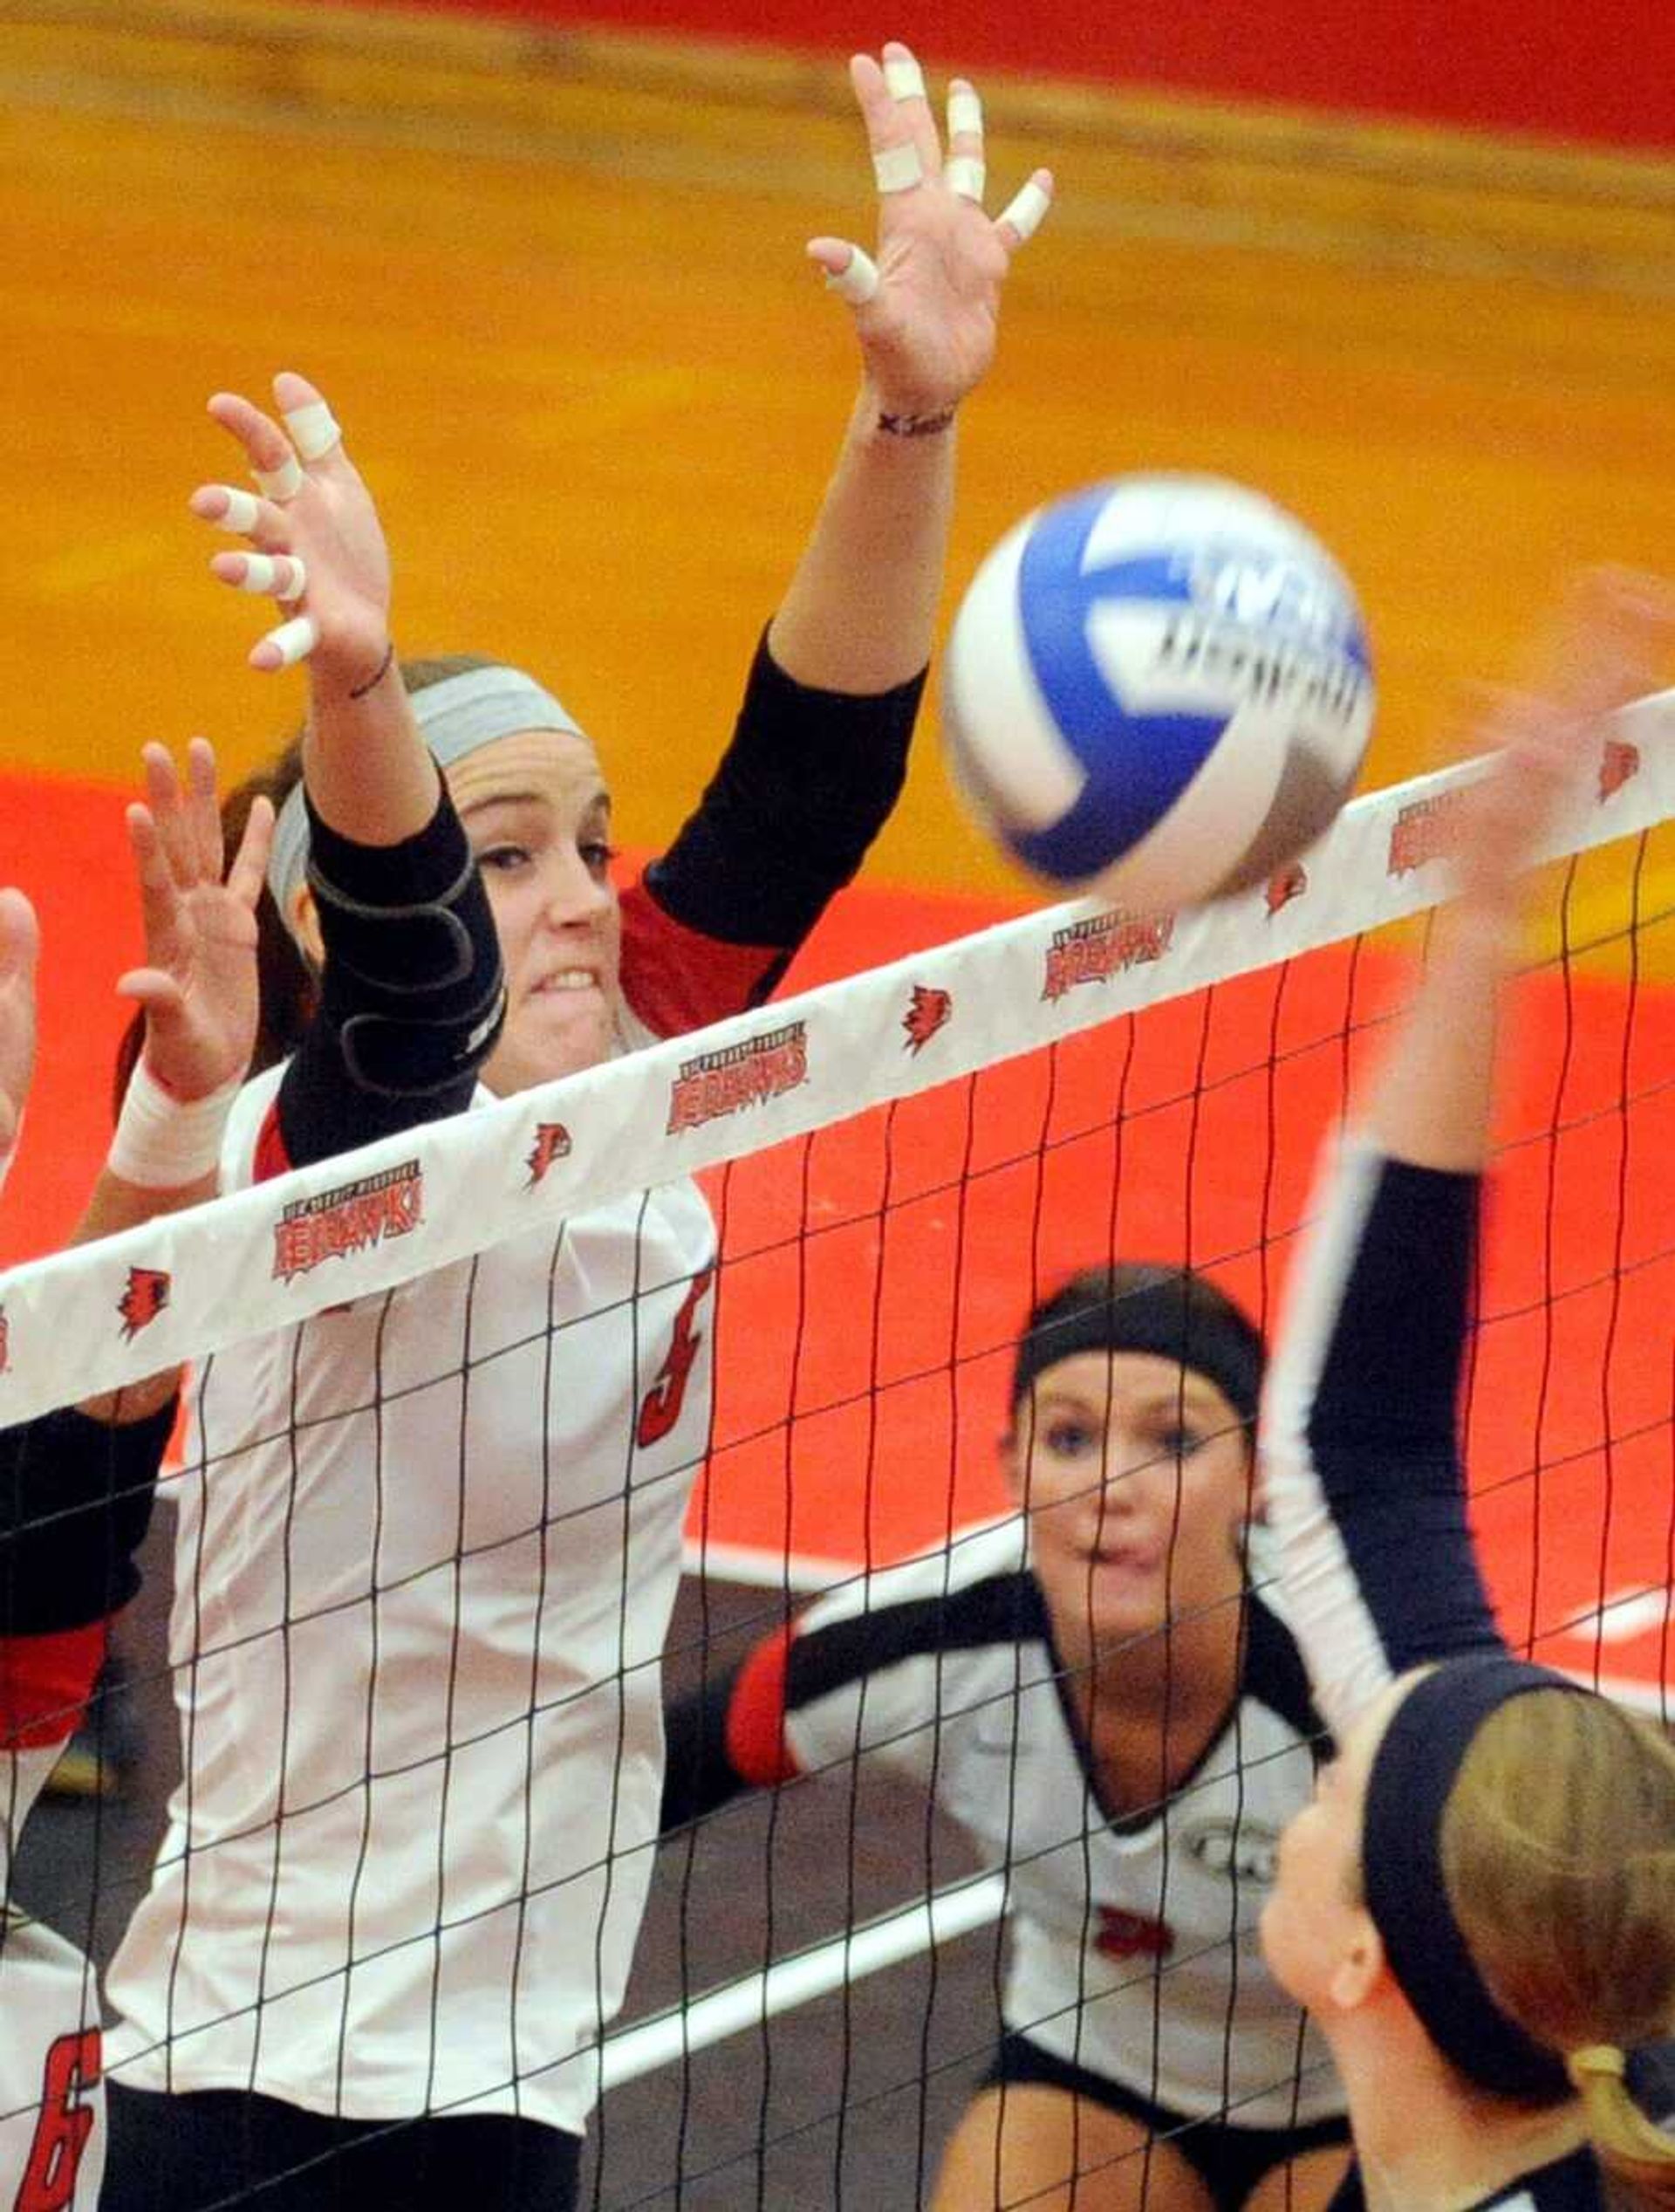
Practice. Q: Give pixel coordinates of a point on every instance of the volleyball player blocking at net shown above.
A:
(76, 1485)
(423, 1589)
(1479, 1907)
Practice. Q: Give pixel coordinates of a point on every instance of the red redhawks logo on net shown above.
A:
(738, 1076)
(1103, 945)
(349, 1219)
(1617, 762)
(1427, 829)
(1290, 883)
(928, 1010)
(551, 1142)
(144, 1299)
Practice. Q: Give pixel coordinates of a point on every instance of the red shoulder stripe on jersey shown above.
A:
(45, 1683)
(677, 979)
(272, 1158)
(755, 1715)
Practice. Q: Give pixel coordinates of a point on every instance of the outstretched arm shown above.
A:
(20, 945)
(861, 607)
(406, 1016)
(1363, 1480)
(198, 990)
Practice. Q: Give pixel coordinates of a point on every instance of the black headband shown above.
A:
(1174, 1315)
(1401, 1852)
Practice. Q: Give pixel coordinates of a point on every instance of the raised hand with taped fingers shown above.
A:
(926, 310)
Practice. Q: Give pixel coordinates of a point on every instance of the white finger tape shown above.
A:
(313, 429)
(965, 113)
(859, 282)
(965, 174)
(296, 639)
(1026, 211)
(242, 508)
(274, 576)
(904, 79)
(898, 168)
(284, 482)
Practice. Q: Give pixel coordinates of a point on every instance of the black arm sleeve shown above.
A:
(412, 998)
(75, 1502)
(806, 784)
(1384, 1431)
(698, 1774)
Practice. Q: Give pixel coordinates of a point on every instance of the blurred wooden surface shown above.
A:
(557, 288)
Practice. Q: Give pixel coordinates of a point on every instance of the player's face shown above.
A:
(539, 816)
(1134, 1472)
(1313, 1924)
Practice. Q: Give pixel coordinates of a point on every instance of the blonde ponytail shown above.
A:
(1636, 2153)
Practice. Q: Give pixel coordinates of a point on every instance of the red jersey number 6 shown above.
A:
(49, 2183)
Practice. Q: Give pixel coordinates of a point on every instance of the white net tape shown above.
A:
(367, 1221)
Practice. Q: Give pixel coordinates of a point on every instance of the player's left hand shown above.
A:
(20, 945)
(198, 984)
(926, 310)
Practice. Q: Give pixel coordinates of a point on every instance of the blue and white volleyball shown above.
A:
(1158, 690)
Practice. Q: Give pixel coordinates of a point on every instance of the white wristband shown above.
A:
(164, 1143)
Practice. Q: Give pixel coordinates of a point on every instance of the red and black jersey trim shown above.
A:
(1002, 1609)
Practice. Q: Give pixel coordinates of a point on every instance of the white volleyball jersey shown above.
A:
(426, 1557)
(51, 2097)
(1133, 1946)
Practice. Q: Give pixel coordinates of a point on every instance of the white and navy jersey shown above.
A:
(75, 1497)
(428, 1548)
(1132, 1944)
(1362, 1476)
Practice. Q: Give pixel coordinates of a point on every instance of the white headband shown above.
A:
(454, 718)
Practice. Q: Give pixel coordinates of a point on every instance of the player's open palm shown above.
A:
(318, 544)
(198, 984)
(20, 945)
(927, 310)
(1615, 631)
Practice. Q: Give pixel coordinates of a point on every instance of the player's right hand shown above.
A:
(198, 984)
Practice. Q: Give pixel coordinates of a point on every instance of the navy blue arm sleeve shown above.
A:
(75, 1502)
(1384, 1429)
(806, 784)
(411, 998)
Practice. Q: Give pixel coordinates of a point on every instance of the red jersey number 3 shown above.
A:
(661, 1408)
(66, 2121)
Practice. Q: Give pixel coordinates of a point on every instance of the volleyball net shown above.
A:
(900, 1166)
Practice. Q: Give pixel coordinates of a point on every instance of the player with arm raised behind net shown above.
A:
(425, 1584)
(1479, 1907)
(76, 1485)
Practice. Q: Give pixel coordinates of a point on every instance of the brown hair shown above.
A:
(286, 985)
(1558, 1855)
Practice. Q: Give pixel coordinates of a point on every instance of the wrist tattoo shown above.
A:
(360, 691)
(917, 426)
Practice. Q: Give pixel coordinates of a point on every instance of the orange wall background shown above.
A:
(1604, 73)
